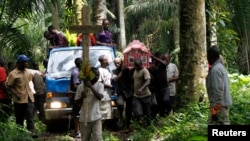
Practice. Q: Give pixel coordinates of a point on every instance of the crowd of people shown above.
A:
(144, 93)
(23, 91)
(134, 88)
(135, 98)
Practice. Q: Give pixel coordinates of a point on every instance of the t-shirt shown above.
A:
(39, 84)
(59, 40)
(20, 81)
(94, 112)
(74, 79)
(160, 77)
(91, 38)
(3, 77)
(172, 71)
(105, 78)
(105, 104)
(105, 36)
(124, 85)
(139, 78)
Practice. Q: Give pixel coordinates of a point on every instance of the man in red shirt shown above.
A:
(92, 40)
(4, 97)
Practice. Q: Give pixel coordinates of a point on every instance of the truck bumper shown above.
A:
(62, 113)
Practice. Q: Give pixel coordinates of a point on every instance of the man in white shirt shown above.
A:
(172, 77)
(93, 95)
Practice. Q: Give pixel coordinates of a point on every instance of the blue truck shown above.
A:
(59, 99)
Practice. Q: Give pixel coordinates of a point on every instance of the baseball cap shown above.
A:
(22, 58)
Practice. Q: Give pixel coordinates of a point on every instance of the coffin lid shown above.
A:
(136, 44)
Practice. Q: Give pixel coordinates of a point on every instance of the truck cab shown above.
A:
(59, 99)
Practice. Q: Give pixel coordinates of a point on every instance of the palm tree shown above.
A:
(151, 22)
(12, 40)
(220, 31)
(241, 21)
(122, 24)
(99, 10)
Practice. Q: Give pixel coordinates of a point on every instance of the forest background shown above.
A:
(185, 29)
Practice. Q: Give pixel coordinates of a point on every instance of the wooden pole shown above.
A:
(85, 28)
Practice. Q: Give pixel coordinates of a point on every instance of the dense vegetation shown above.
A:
(22, 29)
(186, 124)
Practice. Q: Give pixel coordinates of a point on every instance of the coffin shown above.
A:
(134, 50)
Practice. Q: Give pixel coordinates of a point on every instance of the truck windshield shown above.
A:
(61, 62)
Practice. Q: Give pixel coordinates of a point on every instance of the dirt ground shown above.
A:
(60, 130)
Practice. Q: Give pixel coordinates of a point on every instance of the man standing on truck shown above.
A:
(104, 38)
(56, 38)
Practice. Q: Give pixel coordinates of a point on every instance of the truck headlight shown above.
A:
(57, 104)
(113, 103)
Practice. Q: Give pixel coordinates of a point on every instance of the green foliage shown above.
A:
(187, 123)
(240, 90)
(107, 136)
(11, 132)
(240, 20)
(62, 138)
(71, 38)
(220, 16)
(40, 127)
(155, 31)
(190, 123)
(13, 41)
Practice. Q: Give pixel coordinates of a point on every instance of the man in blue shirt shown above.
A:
(104, 38)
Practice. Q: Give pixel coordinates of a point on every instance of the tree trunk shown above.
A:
(211, 25)
(122, 24)
(55, 15)
(99, 10)
(177, 25)
(79, 16)
(193, 63)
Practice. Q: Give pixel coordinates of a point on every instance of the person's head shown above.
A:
(52, 29)
(213, 54)
(103, 59)
(105, 24)
(158, 55)
(22, 62)
(35, 66)
(97, 74)
(166, 57)
(47, 35)
(118, 62)
(1, 62)
(78, 62)
(10, 66)
(138, 64)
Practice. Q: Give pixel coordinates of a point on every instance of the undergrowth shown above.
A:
(188, 124)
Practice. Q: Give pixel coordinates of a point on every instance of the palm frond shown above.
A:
(150, 7)
(241, 20)
(14, 41)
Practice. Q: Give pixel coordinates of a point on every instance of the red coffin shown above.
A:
(134, 50)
